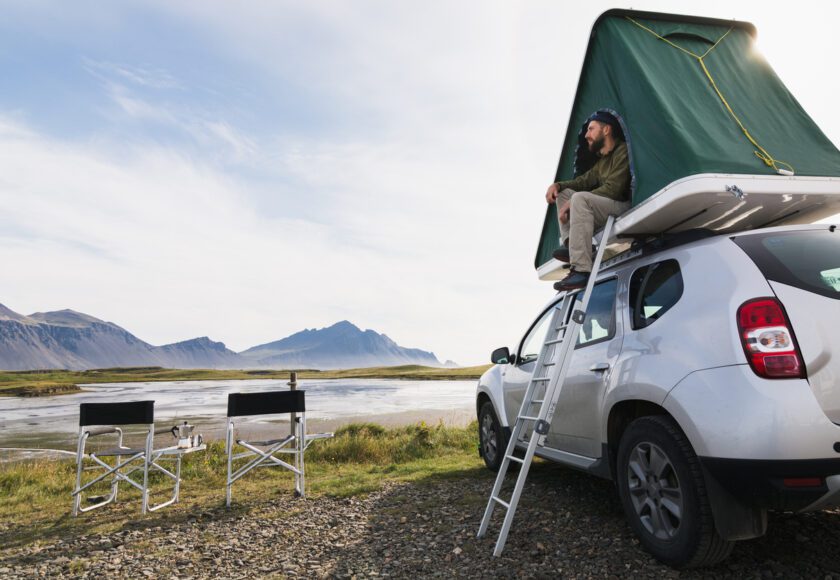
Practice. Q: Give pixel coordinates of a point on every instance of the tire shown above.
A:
(491, 438)
(665, 500)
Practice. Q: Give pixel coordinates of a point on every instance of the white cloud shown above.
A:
(138, 108)
(141, 96)
(166, 247)
(149, 77)
(239, 146)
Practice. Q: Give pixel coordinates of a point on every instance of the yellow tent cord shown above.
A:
(761, 152)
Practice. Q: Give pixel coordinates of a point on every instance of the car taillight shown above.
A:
(768, 340)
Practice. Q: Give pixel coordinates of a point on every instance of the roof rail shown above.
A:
(647, 244)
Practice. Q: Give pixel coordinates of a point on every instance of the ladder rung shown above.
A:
(500, 501)
(516, 459)
(557, 341)
(563, 327)
(542, 379)
(528, 418)
(550, 364)
(537, 401)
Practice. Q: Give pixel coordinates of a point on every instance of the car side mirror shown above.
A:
(502, 356)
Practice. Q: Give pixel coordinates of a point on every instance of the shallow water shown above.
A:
(54, 420)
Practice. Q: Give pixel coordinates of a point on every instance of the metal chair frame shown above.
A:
(142, 460)
(296, 443)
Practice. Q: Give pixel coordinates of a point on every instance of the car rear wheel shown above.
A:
(490, 437)
(664, 495)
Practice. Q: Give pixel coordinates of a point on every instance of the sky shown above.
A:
(247, 170)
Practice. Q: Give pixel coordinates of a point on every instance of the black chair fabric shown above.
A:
(116, 413)
(243, 404)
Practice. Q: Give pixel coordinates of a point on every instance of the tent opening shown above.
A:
(584, 159)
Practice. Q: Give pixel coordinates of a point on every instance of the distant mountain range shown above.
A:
(71, 340)
(342, 345)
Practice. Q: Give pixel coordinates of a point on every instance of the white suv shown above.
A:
(705, 383)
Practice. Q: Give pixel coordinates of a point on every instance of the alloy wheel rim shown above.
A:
(655, 490)
(488, 438)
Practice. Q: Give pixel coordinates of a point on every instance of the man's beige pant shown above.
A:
(589, 212)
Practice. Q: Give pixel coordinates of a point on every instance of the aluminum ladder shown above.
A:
(544, 390)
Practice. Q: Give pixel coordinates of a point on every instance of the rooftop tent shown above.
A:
(713, 119)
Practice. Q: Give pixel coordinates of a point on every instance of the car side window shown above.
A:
(654, 289)
(532, 343)
(600, 315)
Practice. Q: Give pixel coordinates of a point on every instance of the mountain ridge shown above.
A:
(74, 340)
(342, 345)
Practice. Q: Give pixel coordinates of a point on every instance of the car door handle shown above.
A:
(599, 367)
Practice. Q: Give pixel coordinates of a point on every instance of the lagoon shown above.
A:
(53, 420)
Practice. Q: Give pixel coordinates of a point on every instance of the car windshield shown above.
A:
(535, 339)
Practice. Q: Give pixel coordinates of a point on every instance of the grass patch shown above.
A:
(39, 389)
(370, 443)
(35, 497)
(50, 382)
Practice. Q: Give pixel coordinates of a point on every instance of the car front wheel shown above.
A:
(664, 495)
(490, 437)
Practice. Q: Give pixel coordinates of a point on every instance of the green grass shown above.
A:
(50, 382)
(35, 495)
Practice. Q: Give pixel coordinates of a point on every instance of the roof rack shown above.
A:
(647, 244)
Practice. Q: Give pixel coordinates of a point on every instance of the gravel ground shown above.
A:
(568, 525)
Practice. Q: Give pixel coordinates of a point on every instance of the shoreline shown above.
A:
(213, 429)
(45, 383)
(29, 391)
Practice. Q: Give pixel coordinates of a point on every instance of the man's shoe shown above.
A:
(573, 281)
(562, 253)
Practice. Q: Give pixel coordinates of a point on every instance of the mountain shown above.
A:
(199, 353)
(67, 339)
(6, 314)
(342, 345)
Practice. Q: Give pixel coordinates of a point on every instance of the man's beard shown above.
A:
(596, 145)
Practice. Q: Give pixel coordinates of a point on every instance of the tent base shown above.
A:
(721, 203)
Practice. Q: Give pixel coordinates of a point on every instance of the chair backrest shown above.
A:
(272, 402)
(130, 413)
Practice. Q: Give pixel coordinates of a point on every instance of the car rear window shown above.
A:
(808, 260)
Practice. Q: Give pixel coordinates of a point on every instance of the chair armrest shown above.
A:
(314, 436)
(102, 431)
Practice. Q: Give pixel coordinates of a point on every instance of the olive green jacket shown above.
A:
(610, 176)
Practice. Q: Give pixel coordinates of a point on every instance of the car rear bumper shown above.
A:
(730, 412)
(779, 485)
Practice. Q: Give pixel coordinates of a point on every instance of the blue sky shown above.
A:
(246, 170)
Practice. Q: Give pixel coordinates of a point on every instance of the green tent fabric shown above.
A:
(674, 122)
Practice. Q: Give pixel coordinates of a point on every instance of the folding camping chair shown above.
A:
(127, 460)
(263, 452)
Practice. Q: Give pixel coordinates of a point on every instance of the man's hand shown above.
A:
(564, 211)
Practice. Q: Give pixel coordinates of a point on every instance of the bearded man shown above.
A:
(585, 202)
